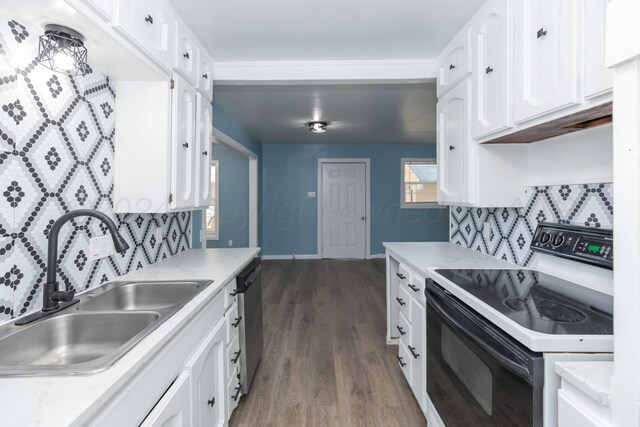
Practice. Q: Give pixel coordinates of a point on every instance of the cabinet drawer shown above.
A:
(404, 274)
(230, 294)
(404, 360)
(233, 356)
(174, 409)
(147, 23)
(415, 287)
(404, 329)
(233, 395)
(455, 63)
(404, 302)
(232, 322)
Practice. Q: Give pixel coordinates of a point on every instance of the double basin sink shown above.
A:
(90, 336)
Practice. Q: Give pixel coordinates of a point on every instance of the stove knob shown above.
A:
(545, 237)
(558, 240)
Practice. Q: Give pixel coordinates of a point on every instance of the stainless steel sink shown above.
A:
(93, 334)
(141, 296)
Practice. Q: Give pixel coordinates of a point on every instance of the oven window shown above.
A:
(469, 368)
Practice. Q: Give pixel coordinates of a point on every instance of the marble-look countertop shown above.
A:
(428, 257)
(591, 378)
(75, 400)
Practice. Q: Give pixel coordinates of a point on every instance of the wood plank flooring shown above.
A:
(325, 361)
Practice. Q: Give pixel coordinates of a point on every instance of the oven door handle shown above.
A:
(504, 361)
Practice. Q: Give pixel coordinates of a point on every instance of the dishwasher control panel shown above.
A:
(585, 244)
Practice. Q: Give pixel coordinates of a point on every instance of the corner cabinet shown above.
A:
(453, 144)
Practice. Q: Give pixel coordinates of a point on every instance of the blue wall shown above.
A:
(234, 186)
(289, 217)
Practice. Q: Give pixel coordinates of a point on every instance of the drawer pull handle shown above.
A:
(205, 76)
(489, 70)
(235, 398)
(400, 301)
(237, 322)
(541, 32)
(186, 55)
(211, 401)
(413, 352)
(149, 19)
(452, 147)
(205, 153)
(185, 145)
(402, 332)
(401, 276)
(402, 364)
(234, 293)
(413, 288)
(235, 359)
(451, 66)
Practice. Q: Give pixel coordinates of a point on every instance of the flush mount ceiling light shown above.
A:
(62, 50)
(318, 127)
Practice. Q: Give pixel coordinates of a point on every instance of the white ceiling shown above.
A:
(357, 113)
(301, 30)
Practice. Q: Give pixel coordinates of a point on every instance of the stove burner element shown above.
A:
(550, 310)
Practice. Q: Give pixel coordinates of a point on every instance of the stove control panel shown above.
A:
(585, 244)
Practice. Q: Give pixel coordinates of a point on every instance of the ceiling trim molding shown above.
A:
(324, 72)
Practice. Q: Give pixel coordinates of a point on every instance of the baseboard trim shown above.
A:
(377, 256)
(289, 257)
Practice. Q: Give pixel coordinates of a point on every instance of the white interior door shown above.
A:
(343, 204)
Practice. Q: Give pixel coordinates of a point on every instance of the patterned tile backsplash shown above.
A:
(512, 229)
(56, 155)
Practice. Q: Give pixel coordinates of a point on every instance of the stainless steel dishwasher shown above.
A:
(249, 289)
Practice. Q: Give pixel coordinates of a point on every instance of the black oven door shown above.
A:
(476, 374)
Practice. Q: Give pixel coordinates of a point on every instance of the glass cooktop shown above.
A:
(538, 301)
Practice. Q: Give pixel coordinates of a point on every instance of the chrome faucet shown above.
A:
(51, 294)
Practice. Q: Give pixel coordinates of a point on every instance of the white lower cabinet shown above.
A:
(208, 385)
(174, 409)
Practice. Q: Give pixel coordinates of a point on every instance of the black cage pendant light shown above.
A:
(62, 50)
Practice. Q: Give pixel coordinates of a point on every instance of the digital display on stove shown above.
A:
(538, 301)
(594, 248)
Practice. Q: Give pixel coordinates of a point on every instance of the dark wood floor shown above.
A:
(325, 360)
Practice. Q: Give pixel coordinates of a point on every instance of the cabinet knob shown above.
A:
(235, 397)
(452, 147)
(400, 301)
(149, 19)
(451, 66)
(489, 70)
(413, 352)
(237, 322)
(413, 288)
(185, 145)
(402, 364)
(211, 401)
(541, 32)
(235, 359)
(401, 276)
(205, 76)
(186, 55)
(401, 330)
(204, 153)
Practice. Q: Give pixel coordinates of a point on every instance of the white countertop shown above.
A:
(74, 401)
(427, 257)
(592, 378)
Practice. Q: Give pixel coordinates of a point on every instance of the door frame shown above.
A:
(367, 183)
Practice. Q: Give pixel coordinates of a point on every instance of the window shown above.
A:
(419, 183)
(212, 213)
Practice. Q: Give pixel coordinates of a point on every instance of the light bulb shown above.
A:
(62, 61)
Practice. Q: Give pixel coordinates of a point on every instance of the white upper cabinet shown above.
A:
(492, 69)
(453, 145)
(147, 23)
(454, 64)
(183, 146)
(184, 54)
(597, 79)
(546, 56)
(204, 124)
(205, 74)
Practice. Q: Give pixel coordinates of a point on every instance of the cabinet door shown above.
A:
(598, 80)
(418, 352)
(208, 381)
(205, 74)
(454, 64)
(147, 23)
(184, 53)
(546, 53)
(174, 409)
(453, 145)
(492, 73)
(183, 162)
(204, 123)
